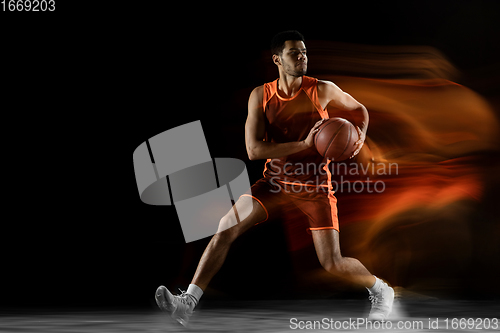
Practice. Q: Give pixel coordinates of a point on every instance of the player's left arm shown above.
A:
(339, 99)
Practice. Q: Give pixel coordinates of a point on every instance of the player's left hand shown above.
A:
(359, 144)
(309, 141)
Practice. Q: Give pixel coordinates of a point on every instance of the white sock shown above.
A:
(195, 292)
(376, 286)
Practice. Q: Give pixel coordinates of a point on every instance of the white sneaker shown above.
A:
(180, 307)
(381, 303)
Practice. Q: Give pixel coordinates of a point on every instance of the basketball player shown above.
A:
(283, 117)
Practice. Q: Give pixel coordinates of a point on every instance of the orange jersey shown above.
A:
(291, 119)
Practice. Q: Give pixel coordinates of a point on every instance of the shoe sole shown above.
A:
(163, 300)
(392, 302)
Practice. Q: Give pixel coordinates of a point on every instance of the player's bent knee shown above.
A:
(328, 265)
(226, 225)
(331, 265)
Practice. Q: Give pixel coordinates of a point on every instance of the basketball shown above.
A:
(336, 139)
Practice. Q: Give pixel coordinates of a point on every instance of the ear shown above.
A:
(276, 60)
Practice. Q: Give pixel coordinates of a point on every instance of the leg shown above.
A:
(245, 213)
(327, 247)
(326, 243)
(249, 212)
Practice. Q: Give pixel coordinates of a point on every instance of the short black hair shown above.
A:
(278, 41)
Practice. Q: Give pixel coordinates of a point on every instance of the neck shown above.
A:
(289, 85)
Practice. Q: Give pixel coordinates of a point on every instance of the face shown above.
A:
(293, 59)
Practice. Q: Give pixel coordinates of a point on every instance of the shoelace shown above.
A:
(376, 300)
(184, 298)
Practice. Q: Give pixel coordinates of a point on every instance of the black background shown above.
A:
(82, 87)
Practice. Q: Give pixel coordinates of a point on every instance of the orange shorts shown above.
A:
(317, 204)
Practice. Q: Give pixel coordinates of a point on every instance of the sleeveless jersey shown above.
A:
(291, 119)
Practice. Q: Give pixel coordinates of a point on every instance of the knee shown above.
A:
(226, 233)
(332, 265)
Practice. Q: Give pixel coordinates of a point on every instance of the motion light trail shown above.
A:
(440, 135)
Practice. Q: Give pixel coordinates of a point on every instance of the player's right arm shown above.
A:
(255, 130)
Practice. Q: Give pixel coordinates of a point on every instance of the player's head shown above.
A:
(289, 52)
